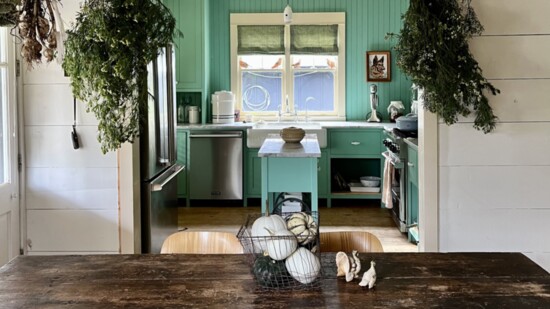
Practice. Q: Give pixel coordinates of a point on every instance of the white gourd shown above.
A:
(259, 232)
(281, 245)
(303, 226)
(303, 265)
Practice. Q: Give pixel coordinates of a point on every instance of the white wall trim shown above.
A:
(428, 180)
(129, 198)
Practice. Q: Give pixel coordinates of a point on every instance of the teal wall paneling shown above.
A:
(367, 22)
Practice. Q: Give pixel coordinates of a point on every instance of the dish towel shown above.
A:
(387, 184)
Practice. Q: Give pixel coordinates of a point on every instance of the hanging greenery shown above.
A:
(106, 58)
(433, 50)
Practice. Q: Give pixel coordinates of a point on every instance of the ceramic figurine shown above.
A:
(369, 277)
(355, 266)
(342, 263)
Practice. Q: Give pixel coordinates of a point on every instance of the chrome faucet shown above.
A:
(287, 112)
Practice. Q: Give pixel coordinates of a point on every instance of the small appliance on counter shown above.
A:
(193, 114)
(373, 104)
(395, 110)
(407, 123)
(223, 107)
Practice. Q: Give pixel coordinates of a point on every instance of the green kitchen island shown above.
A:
(289, 167)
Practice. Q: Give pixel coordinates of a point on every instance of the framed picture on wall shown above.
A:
(378, 66)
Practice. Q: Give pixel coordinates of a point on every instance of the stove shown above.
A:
(396, 152)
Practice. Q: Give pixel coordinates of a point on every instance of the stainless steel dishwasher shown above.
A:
(216, 165)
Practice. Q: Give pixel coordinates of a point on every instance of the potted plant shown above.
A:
(433, 50)
(107, 53)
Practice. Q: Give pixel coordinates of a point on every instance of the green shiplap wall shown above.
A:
(367, 22)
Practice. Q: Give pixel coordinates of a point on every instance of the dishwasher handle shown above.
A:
(238, 135)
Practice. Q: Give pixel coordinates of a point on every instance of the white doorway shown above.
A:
(9, 178)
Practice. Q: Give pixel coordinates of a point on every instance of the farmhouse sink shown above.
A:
(259, 131)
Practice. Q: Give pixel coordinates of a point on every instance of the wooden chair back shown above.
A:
(202, 243)
(348, 241)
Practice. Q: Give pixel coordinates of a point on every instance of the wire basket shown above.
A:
(282, 261)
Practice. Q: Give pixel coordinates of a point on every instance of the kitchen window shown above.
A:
(294, 71)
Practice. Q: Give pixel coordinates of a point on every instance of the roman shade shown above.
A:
(314, 39)
(269, 40)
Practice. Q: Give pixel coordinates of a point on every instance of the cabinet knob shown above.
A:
(355, 143)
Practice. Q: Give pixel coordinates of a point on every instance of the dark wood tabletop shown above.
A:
(406, 280)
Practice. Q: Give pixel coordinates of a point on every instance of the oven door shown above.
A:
(398, 191)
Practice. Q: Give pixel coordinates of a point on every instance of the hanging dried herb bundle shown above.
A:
(433, 50)
(107, 55)
(8, 12)
(39, 29)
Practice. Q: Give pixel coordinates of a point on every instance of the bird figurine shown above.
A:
(331, 64)
(278, 63)
(369, 277)
(297, 65)
(243, 64)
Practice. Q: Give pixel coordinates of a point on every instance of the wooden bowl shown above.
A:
(292, 134)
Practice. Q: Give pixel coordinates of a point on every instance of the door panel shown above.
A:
(9, 180)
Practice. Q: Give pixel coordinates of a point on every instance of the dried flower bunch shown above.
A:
(40, 28)
(433, 50)
(106, 58)
(8, 12)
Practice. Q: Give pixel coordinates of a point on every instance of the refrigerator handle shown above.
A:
(176, 170)
(172, 98)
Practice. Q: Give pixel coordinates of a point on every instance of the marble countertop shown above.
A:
(353, 124)
(274, 146)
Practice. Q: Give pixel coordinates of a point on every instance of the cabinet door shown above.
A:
(253, 174)
(189, 16)
(181, 141)
(412, 165)
(412, 193)
(323, 174)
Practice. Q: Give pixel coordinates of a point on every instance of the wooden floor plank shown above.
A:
(345, 218)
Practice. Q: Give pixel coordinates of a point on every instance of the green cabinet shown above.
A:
(323, 174)
(253, 174)
(181, 144)
(353, 153)
(190, 20)
(358, 142)
(412, 193)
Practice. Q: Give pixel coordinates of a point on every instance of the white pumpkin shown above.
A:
(303, 225)
(260, 227)
(303, 266)
(281, 244)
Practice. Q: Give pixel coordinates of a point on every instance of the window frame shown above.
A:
(237, 19)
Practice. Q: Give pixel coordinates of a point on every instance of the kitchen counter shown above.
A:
(354, 124)
(274, 146)
(289, 167)
(405, 280)
(413, 142)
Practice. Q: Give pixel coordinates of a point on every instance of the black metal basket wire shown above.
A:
(276, 275)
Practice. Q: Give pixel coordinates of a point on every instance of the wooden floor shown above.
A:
(338, 218)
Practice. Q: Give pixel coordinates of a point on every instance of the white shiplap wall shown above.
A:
(71, 195)
(494, 187)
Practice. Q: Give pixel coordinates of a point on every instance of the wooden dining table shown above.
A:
(405, 280)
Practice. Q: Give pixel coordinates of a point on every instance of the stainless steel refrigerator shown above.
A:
(159, 217)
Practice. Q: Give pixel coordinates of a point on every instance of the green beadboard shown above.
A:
(367, 22)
